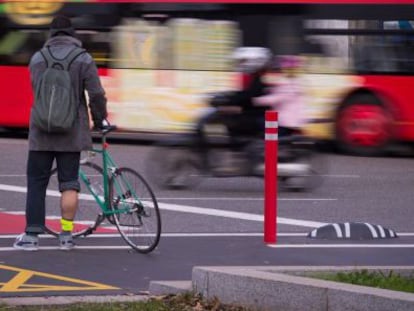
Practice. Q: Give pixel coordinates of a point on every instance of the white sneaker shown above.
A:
(27, 242)
(66, 241)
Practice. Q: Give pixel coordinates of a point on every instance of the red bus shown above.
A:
(158, 59)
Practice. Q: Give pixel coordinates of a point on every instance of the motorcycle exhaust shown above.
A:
(289, 169)
(293, 169)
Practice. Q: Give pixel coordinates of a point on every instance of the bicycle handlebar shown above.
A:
(105, 129)
(109, 128)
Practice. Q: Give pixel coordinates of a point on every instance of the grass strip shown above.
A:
(379, 279)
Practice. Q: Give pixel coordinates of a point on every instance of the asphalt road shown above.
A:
(355, 189)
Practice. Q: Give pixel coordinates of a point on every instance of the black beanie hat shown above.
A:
(61, 25)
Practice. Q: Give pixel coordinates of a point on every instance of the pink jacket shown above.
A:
(288, 99)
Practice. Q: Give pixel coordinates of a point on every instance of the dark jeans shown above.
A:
(39, 165)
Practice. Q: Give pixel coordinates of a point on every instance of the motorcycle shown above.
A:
(178, 163)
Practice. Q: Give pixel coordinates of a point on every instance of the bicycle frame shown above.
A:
(124, 200)
(109, 170)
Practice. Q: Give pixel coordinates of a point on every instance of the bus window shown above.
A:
(98, 44)
(384, 55)
(177, 44)
(18, 46)
(404, 52)
(364, 46)
(370, 58)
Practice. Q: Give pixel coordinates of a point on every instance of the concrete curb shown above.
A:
(60, 300)
(290, 289)
(158, 288)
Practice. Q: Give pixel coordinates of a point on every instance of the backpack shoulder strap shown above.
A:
(65, 62)
(48, 57)
(72, 55)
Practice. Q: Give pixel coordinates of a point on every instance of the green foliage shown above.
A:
(379, 279)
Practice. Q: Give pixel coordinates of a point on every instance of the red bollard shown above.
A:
(270, 176)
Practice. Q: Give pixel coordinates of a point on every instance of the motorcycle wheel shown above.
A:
(173, 168)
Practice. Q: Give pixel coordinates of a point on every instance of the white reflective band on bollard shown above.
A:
(271, 136)
(271, 124)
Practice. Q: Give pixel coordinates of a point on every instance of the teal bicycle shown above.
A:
(112, 199)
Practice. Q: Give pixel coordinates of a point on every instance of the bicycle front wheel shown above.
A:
(135, 210)
(88, 210)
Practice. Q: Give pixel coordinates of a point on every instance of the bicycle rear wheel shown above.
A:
(88, 213)
(136, 213)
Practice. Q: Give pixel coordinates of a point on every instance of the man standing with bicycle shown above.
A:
(64, 147)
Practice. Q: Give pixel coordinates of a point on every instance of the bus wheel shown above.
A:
(363, 127)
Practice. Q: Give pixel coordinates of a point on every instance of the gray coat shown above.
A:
(84, 74)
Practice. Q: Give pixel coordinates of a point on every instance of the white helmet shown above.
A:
(251, 59)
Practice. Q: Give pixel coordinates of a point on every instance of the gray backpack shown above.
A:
(55, 106)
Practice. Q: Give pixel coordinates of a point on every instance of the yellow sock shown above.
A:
(67, 225)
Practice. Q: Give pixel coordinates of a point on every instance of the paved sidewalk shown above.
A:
(289, 289)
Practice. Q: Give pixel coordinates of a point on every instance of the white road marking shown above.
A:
(13, 188)
(173, 235)
(347, 230)
(117, 247)
(337, 230)
(52, 248)
(246, 199)
(196, 234)
(236, 215)
(372, 230)
(87, 196)
(341, 245)
(381, 230)
(341, 176)
(193, 210)
(326, 175)
(15, 212)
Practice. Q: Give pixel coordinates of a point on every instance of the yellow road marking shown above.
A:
(19, 282)
(21, 278)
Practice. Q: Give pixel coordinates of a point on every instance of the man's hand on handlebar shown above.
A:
(103, 125)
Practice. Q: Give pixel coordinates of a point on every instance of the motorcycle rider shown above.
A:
(287, 96)
(252, 63)
(183, 169)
